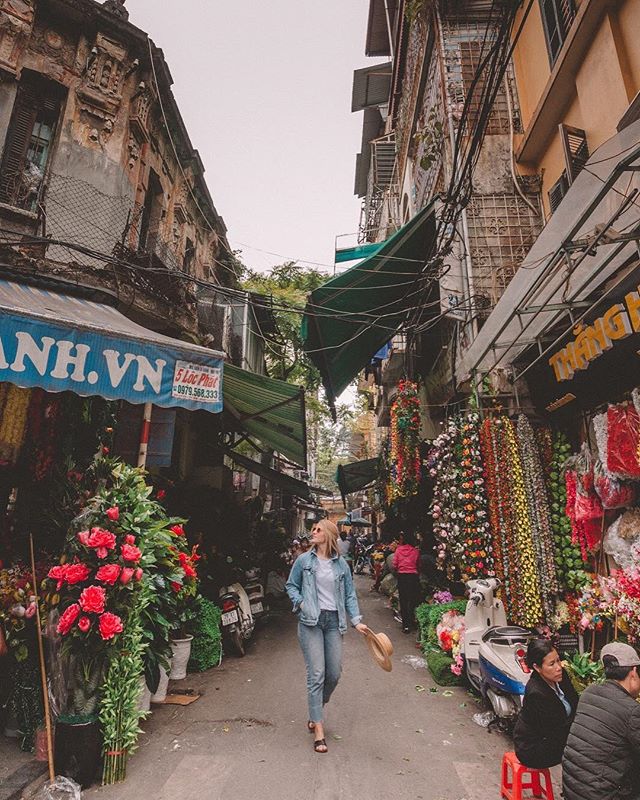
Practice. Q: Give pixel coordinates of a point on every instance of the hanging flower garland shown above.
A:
(539, 514)
(476, 552)
(14, 422)
(404, 438)
(496, 472)
(442, 470)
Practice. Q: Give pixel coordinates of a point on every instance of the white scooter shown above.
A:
(237, 622)
(495, 652)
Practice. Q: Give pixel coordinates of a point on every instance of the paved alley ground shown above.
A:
(245, 738)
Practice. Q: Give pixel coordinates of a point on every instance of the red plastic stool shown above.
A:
(513, 780)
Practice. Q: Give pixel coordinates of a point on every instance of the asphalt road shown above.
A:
(389, 735)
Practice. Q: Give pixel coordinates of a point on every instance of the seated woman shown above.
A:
(548, 708)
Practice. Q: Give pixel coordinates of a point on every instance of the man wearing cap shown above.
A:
(602, 757)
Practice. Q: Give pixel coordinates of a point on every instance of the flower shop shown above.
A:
(99, 598)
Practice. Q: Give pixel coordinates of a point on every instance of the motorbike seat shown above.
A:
(509, 634)
(230, 596)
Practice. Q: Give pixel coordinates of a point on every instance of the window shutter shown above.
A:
(557, 17)
(558, 191)
(23, 119)
(576, 150)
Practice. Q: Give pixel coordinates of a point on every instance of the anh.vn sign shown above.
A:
(34, 352)
(591, 341)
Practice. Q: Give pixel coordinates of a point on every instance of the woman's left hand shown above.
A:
(361, 628)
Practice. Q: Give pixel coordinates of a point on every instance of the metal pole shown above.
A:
(144, 435)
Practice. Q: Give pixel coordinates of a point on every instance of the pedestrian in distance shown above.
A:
(548, 708)
(602, 757)
(321, 589)
(345, 548)
(406, 565)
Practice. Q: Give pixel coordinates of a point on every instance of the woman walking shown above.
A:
(406, 565)
(321, 589)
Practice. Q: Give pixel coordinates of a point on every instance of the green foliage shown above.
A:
(206, 647)
(428, 616)
(583, 671)
(439, 664)
(289, 285)
(414, 10)
(431, 138)
(119, 712)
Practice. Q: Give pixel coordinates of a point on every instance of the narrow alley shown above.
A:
(389, 734)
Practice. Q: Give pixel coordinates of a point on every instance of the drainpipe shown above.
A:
(466, 261)
(245, 334)
(144, 435)
(389, 31)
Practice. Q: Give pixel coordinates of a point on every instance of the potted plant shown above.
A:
(182, 601)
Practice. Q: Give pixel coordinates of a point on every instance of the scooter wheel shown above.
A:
(236, 642)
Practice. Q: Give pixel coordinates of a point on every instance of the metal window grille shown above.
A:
(557, 16)
(383, 159)
(576, 150)
(471, 54)
(502, 229)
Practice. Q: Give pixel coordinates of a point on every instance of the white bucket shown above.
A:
(181, 652)
(163, 684)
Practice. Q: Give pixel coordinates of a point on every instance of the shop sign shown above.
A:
(88, 362)
(591, 341)
(196, 382)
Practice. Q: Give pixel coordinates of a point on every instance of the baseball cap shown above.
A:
(624, 654)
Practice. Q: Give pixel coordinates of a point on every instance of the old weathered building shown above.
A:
(99, 181)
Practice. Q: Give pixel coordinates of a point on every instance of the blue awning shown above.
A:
(59, 342)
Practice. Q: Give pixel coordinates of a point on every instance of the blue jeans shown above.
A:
(322, 648)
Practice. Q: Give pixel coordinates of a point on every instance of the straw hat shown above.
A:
(381, 649)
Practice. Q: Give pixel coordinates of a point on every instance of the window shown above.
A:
(576, 150)
(151, 212)
(472, 55)
(557, 16)
(189, 255)
(558, 191)
(29, 141)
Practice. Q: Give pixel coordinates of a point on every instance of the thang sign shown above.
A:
(591, 341)
(90, 362)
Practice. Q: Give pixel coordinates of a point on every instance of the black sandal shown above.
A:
(311, 726)
(320, 743)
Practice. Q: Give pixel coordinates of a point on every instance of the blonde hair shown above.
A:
(331, 532)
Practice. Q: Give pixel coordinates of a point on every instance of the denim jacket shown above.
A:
(303, 592)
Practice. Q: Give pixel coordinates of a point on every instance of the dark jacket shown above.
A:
(543, 725)
(602, 756)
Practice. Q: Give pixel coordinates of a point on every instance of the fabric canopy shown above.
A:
(357, 476)
(60, 342)
(351, 316)
(271, 410)
(288, 483)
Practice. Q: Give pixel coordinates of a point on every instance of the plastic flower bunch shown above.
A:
(444, 474)
(450, 632)
(595, 605)
(17, 607)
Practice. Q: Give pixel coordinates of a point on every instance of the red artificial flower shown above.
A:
(161, 494)
(176, 586)
(130, 539)
(76, 573)
(67, 618)
(57, 574)
(189, 571)
(93, 599)
(83, 538)
(138, 574)
(84, 623)
(105, 451)
(102, 541)
(177, 529)
(109, 625)
(108, 574)
(130, 552)
(113, 513)
(126, 575)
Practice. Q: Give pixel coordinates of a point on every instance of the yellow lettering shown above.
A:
(561, 366)
(633, 304)
(616, 322)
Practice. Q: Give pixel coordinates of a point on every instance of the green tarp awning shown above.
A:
(350, 317)
(268, 409)
(288, 483)
(357, 476)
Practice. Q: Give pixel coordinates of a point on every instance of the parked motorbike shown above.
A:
(237, 622)
(494, 652)
(363, 557)
(255, 591)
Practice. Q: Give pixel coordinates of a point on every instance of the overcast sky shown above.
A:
(265, 91)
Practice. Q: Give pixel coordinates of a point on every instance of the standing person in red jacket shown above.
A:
(406, 565)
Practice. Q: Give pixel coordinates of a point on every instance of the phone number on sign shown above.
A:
(196, 392)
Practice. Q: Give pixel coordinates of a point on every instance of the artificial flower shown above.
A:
(84, 623)
(130, 552)
(109, 625)
(108, 574)
(67, 618)
(113, 513)
(93, 599)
